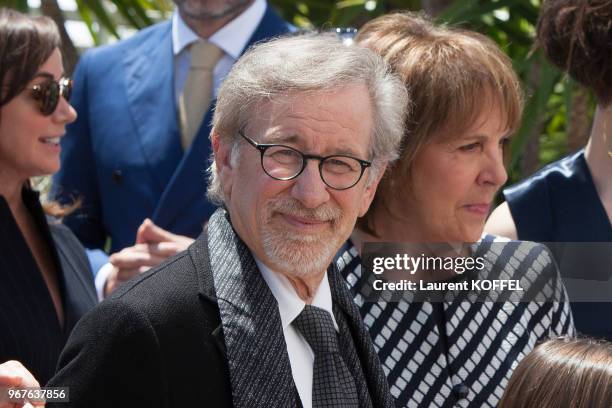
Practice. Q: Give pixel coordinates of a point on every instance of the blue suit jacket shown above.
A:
(123, 156)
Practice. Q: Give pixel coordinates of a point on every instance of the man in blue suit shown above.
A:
(124, 158)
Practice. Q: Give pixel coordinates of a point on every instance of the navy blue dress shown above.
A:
(560, 204)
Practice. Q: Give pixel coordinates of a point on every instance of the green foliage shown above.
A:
(21, 5)
(135, 13)
(511, 23)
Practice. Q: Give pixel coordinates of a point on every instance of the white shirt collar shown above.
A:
(231, 38)
(290, 305)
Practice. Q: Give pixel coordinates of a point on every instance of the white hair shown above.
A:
(303, 63)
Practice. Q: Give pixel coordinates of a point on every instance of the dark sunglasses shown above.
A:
(48, 93)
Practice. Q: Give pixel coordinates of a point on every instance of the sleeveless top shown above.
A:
(560, 204)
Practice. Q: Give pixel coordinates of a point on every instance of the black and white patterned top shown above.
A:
(459, 353)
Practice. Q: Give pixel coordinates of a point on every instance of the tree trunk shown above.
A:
(579, 123)
(531, 154)
(51, 9)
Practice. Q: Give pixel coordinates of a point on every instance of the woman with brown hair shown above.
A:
(466, 103)
(46, 283)
(571, 200)
(563, 372)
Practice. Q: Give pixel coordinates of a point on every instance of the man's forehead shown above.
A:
(286, 103)
(296, 117)
(295, 103)
(340, 146)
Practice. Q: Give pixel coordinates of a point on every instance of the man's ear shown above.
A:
(370, 190)
(223, 161)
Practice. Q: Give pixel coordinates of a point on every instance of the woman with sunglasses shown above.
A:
(46, 283)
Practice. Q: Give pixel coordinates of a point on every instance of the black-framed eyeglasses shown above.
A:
(48, 93)
(282, 162)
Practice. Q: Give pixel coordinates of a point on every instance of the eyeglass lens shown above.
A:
(284, 163)
(48, 93)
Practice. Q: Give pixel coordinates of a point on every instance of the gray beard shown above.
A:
(298, 257)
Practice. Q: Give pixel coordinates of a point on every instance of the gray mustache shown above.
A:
(325, 212)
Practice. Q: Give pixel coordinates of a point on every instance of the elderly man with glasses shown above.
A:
(254, 314)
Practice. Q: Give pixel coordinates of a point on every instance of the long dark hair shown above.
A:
(576, 36)
(25, 44)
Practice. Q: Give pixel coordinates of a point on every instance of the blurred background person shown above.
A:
(574, 373)
(135, 152)
(46, 284)
(571, 200)
(466, 103)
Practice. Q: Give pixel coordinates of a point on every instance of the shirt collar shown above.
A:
(290, 305)
(232, 38)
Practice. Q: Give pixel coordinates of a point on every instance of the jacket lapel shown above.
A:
(79, 295)
(150, 93)
(372, 369)
(185, 186)
(257, 357)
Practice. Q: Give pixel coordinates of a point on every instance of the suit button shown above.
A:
(117, 176)
(461, 391)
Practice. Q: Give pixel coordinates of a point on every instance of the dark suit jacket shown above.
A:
(123, 154)
(29, 329)
(202, 330)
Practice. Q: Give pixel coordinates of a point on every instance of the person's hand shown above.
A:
(149, 233)
(153, 246)
(14, 375)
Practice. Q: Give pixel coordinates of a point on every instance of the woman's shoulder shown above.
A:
(503, 246)
(525, 260)
(564, 172)
(529, 262)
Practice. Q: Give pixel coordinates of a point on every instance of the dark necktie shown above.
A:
(332, 385)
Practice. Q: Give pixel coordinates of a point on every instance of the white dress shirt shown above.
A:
(290, 305)
(231, 39)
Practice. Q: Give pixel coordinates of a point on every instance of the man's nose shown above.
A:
(309, 188)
